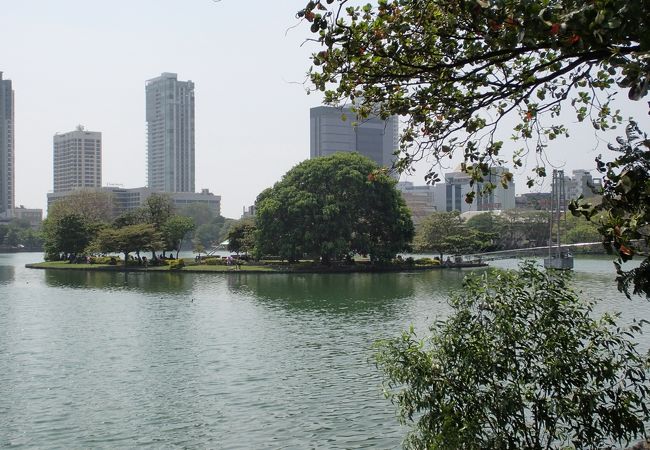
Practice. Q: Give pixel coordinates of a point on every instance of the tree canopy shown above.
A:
(332, 207)
(445, 232)
(454, 70)
(241, 236)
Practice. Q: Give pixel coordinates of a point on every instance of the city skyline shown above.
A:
(252, 114)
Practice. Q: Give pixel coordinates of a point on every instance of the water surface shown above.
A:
(97, 359)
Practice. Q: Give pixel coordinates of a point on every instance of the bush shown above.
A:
(519, 364)
(427, 262)
(176, 264)
(100, 260)
(214, 262)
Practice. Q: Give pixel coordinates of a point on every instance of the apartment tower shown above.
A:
(7, 142)
(77, 160)
(170, 134)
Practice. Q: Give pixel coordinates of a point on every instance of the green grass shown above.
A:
(189, 267)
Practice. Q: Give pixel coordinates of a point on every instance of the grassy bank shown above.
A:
(192, 266)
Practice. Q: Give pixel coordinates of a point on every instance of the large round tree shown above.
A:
(332, 207)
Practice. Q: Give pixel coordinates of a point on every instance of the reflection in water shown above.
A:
(7, 274)
(149, 282)
(334, 292)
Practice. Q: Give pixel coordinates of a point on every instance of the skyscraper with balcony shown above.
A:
(7, 157)
(170, 134)
(371, 137)
(77, 160)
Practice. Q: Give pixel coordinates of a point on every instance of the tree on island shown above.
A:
(175, 229)
(331, 208)
(127, 239)
(73, 222)
(241, 236)
(445, 232)
(68, 233)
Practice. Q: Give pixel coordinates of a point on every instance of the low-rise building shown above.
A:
(128, 199)
(31, 215)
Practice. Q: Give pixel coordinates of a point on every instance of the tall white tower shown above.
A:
(170, 134)
(7, 142)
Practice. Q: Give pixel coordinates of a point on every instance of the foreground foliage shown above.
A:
(519, 364)
(624, 212)
(455, 70)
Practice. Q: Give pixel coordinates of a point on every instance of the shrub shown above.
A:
(176, 264)
(214, 261)
(427, 262)
(519, 364)
(101, 260)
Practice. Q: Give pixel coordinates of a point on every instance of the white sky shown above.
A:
(85, 62)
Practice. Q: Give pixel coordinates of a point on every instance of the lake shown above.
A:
(97, 359)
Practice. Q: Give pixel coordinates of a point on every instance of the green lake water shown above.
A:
(113, 360)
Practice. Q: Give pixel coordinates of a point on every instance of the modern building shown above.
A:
(248, 212)
(170, 134)
(581, 183)
(77, 160)
(129, 199)
(422, 200)
(457, 186)
(7, 149)
(340, 130)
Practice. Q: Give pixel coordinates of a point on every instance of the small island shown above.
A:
(233, 265)
(336, 214)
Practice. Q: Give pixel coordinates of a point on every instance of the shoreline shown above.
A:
(264, 269)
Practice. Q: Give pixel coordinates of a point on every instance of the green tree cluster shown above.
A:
(446, 233)
(84, 226)
(19, 233)
(331, 208)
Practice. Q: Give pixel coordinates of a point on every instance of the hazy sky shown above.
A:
(79, 62)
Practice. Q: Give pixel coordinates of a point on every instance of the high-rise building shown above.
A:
(371, 137)
(170, 134)
(77, 160)
(7, 142)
